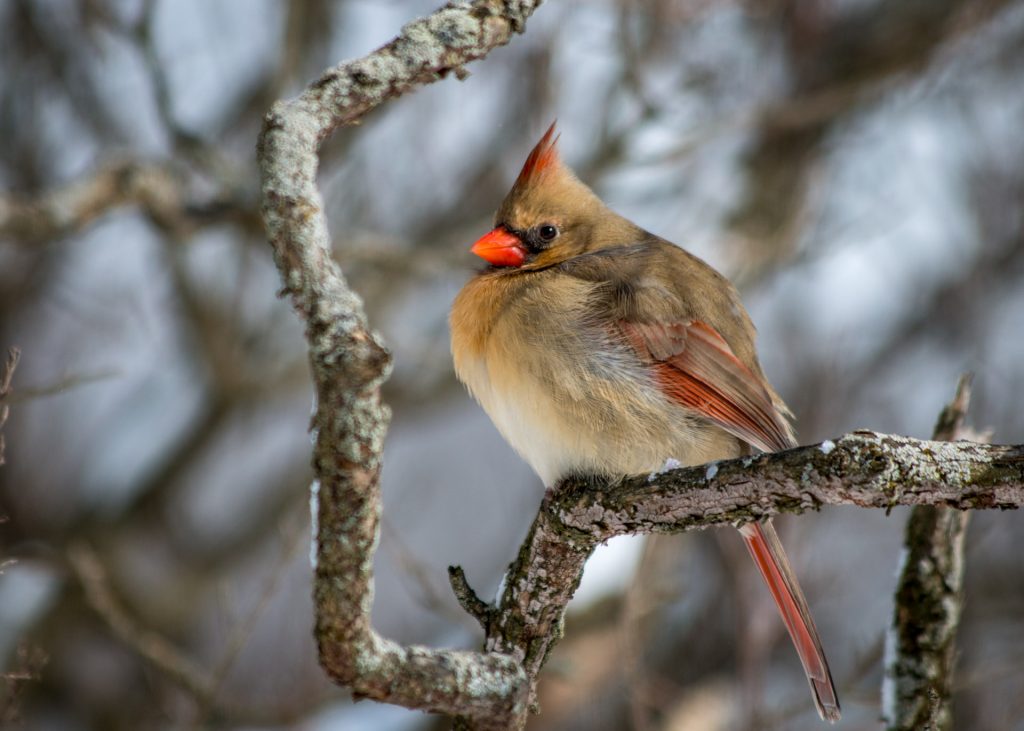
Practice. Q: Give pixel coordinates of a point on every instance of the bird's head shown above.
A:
(548, 216)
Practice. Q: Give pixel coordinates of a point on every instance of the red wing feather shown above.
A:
(697, 369)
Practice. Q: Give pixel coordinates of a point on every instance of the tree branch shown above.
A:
(156, 650)
(159, 191)
(349, 363)
(864, 468)
(917, 689)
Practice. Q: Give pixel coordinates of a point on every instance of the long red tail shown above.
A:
(764, 546)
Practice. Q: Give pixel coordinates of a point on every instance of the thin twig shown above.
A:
(243, 629)
(473, 605)
(154, 648)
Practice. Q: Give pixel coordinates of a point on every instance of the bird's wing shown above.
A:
(696, 368)
(667, 306)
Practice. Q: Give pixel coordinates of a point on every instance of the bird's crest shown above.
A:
(543, 158)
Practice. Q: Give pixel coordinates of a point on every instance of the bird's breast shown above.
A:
(561, 389)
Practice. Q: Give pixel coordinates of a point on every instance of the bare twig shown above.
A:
(920, 645)
(156, 650)
(473, 605)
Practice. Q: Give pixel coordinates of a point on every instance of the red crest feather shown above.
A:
(543, 158)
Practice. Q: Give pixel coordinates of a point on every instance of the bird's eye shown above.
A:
(547, 232)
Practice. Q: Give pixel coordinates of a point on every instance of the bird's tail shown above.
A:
(764, 546)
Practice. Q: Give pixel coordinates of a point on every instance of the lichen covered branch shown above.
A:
(920, 645)
(863, 468)
(349, 363)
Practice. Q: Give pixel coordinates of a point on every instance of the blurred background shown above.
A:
(856, 166)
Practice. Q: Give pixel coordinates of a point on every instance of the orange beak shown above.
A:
(500, 248)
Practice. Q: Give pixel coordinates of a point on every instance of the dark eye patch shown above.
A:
(540, 237)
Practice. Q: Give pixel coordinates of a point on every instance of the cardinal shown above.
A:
(596, 347)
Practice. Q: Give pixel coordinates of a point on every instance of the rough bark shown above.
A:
(863, 468)
(920, 645)
(349, 363)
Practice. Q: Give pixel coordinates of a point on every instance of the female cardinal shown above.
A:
(597, 347)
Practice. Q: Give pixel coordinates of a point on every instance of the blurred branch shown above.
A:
(71, 207)
(13, 356)
(430, 596)
(25, 668)
(243, 629)
(160, 653)
(143, 32)
(152, 647)
(155, 188)
(917, 689)
(349, 364)
(60, 387)
(840, 59)
(947, 310)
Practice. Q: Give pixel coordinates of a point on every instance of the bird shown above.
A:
(599, 348)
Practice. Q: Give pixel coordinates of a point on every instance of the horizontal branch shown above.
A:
(864, 468)
(158, 190)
